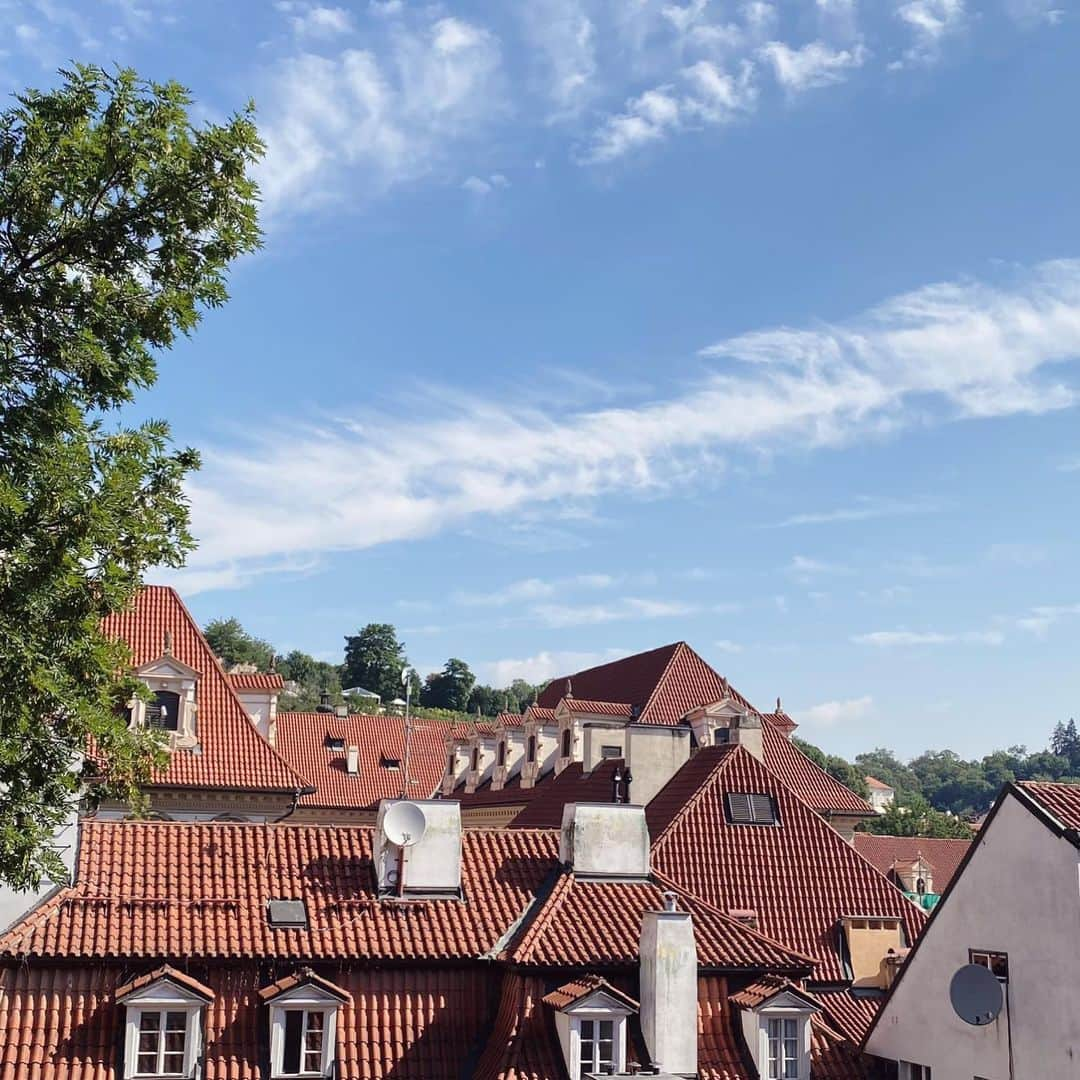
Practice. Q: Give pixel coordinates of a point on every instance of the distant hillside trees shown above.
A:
(233, 645)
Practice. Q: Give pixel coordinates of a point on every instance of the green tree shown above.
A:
(837, 767)
(912, 815)
(374, 660)
(487, 699)
(306, 680)
(118, 222)
(449, 688)
(232, 644)
(885, 766)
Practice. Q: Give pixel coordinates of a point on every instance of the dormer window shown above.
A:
(335, 745)
(475, 759)
(591, 1019)
(745, 808)
(776, 1019)
(501, 753)
(567, 740)
(303, 1024)
(450, 764)
(530, 752)
(173, 707)
(164, 1023)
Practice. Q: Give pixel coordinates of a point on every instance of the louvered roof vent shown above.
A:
(747, 808)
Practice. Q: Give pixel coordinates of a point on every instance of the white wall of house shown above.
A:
(1020, 894)
(261, 706)
(654, 755)
(13, 905)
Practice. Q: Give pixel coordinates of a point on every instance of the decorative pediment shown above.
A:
(590, 994)
(164, 986)
(304, 988)
(167, 667)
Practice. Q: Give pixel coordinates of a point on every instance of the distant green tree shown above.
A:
(912, 815)
(950, 783)
(307, 679)
(119, 219)
(374, 660)
(885, 766)
(449, 688)
(1065, 742)
(837, 767)
(232, 644)
(487, 700)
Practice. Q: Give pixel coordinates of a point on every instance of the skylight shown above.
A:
(287, 914)
(745, 808)
(335, 745)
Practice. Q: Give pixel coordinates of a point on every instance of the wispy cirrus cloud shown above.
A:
(938, 355)
(813, 65)
(864, 508)
(625, 609)
(542, 666)
(834, 713)
(890, 639)
(517, 592)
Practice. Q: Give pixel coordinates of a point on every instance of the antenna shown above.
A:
(407, 674)
(404, 824)
(976, 995)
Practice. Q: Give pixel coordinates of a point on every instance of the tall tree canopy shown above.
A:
(232, 644)
(374, 660)
(450, 688)
(118, 221)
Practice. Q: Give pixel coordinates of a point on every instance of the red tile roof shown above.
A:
(833, 1057)
(718, 1046)
(811, 783)
(301, 977)
(597, 924)
(166, 971)
(510, 719)
(1061, 801)
(800, 877)
(781, 721)
(169, 889)
(850, 1013)
(573, 784)
(542, 714)
(943, 855)
(877, 785)
(232, 754)
(763, 989)
(301, 741)
(256, 680)
(599, 708)
(61, 1022)
(582, 987)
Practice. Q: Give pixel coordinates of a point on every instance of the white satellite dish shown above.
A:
(976, 996)
(404, 824)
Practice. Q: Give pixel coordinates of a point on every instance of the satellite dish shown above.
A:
(404, 824)
(406, 675)
(976, 995)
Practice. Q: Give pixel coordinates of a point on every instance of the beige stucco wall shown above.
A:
(654, 755)
(1020, 894)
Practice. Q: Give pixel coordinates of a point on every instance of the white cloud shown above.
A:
(476, 185)
(887, 639)
(1040, 619)
(628, 608)
(543, 666)
(534, 589)
(333, 124)
(1016, 554)
(813, 65)
(929, 21)
(712, 96)
(939, 354)
(316, 21)
(563, 41)
(804, 569)
(866, 508)
(832, 713)
(1028, 12)
(726, 646)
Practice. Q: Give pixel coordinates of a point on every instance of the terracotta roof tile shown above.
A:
(523, 1044)
(761, 990)
(510, 719)
(167, 889)
(599, 708)
(60, 1023)
(232, 753)
(166, 971)
(943, 854)
(1062, 801)
(582, 987)
(832, 1057)
(718, 1047)
(256, 680)
(799, 877)
(874, 783)
(542, 713)
(811, 783)
(597, 924)
(573, 784)
(851, 1012)
(301, 977)
(301, 741)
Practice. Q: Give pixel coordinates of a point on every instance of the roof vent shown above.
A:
(287, 914)
(324, 702)
(671, 901)
(352, 761)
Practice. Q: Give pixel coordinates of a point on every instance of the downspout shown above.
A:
(309, 790)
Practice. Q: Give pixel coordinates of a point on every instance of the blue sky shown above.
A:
(584, 326)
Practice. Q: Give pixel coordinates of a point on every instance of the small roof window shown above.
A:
(746, 808)
(287, 914)
(334, 744)
(390, 762)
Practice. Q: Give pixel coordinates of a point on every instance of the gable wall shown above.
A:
(1020, 893)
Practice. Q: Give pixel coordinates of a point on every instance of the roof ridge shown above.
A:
(675, 652)
(545, 912)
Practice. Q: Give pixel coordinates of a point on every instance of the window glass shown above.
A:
(610, 751)
(475, 759)
(566, 743)
(587, 1047)
(305, 1041)
(596, 1045)
(313, 1040)
(997, 962)
(531, 755)
(161, 1044)
(164, 711)
(783, 1049)
(502, 752)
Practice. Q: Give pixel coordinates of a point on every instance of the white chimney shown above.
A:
(352, 761)
(745, 729)
(605, 840)
(430, 860)
(669, 1000)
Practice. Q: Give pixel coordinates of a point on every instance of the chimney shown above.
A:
(745, 729)
(669, 988)
(434, 850)
(324, 702)
(341, 711)
(605, 840)
(352, 761)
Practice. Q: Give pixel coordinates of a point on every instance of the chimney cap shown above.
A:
(671, 900)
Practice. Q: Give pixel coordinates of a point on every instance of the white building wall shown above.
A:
(261, 706)
(13, 905)
(654, 755)
(1020, 894)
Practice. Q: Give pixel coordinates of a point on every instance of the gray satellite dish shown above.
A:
(976, 995)
(404, 824)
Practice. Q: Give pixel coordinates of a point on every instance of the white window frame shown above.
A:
(162, 997)
(784, 1006)
(618, 1022)
(305, 998)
